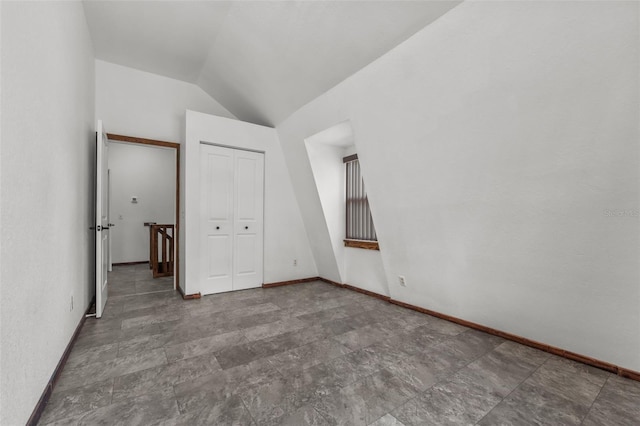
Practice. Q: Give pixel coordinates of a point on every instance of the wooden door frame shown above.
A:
(176, 238)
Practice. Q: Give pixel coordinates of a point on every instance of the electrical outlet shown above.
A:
(402, 280)
(295, 262)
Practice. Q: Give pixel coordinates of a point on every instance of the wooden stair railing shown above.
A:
(162, 250)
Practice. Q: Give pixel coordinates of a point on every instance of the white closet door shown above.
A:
(248, 220)
(216, 219)
(231, 225)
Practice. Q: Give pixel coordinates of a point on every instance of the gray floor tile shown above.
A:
(497, 372)
(290, 340)
(204, 345)
(264, 331)
(458, 401)
(303, 416)
(441, 326)
(522, 354)
(618, 403)
(387, 420)
(419, 374)
(90, 355)
(164, 376)
(76, 377)
(365, 401)
(95, 326)
(363, 336)
(416, 341)
(312, 354)
(221, 385)
(340, 312)
(144, 410)
(354, 366)
(150, 319)
(233, 356)
(469, 345)
(574, 381)
(153, 285)
(309, 355)
(531, 405)
(224, 411)
(142, 344)
(122, 288)
(269, 401)
(74, 402)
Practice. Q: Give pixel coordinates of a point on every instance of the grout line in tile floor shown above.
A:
(514, 389)
(594, 401)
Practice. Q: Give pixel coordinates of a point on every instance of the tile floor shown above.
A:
(313, 354)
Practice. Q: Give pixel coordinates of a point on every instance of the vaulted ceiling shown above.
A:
(262, 60)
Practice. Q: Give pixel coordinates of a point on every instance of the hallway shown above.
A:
(313, 354)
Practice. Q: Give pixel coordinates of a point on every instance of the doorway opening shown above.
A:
(147, 224)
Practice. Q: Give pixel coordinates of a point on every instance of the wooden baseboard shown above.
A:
(624, 372)
(367, 292)
(48, 390)
(142, 262)
(299, 281)
(332, 282)
(629, 374)
(357, 289)
(191, 296)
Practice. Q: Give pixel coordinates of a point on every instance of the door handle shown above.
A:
(217, 227)
(246, 227)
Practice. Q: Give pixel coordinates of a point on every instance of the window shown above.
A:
(360, 230)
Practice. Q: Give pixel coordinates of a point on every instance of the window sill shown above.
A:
(368, 245)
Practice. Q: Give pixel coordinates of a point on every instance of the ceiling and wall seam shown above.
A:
(261, 60)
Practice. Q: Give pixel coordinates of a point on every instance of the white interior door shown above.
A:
(111, 225)
(216, 219)
(231, 225)
(248, 220)
(102, 219)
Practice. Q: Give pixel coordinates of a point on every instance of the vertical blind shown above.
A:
(359, 221)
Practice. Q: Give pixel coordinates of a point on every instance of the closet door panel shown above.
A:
(216, 219)
(248, 220)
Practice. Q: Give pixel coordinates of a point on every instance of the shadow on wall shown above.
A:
(358, 267)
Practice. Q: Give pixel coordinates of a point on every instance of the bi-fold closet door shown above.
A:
(231, 220)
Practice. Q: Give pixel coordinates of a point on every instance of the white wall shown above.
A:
(149, 173)
(137, 103)
(357, 267)
(364, 269)
(328, 173)
(493, 142)
(285, 238)
(48, 150)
